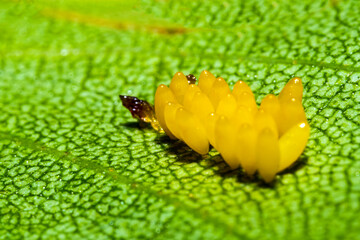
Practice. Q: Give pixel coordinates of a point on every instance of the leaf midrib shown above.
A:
(116, 177)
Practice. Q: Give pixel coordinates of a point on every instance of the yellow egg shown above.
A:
(170, 111)
(246, 143)
(225, 139)
(243, 115)
(206, 80)
(240, 87)
(270, 104)
(163, 95)
(209, 124)
(227, 106)
(293, 89)
(292, 144)
(266, 140)
(218, 91)
(192, 131)
(291, 113)
(201, 106)
(189, 95)
(264, 120)
(247, 99)
(267, 154)
(179, 85)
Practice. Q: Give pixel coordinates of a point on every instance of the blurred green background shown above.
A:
(75, 165)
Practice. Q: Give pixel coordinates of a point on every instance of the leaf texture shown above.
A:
(74, 164)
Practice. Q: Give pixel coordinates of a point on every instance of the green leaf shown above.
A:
(75, 165)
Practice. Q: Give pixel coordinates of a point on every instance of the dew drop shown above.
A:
(64, 52)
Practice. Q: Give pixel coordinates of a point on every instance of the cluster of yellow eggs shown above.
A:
(266, 139)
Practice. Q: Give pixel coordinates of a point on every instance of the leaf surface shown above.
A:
(74, 164)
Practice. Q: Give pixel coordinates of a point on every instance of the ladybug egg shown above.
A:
(266, 140)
